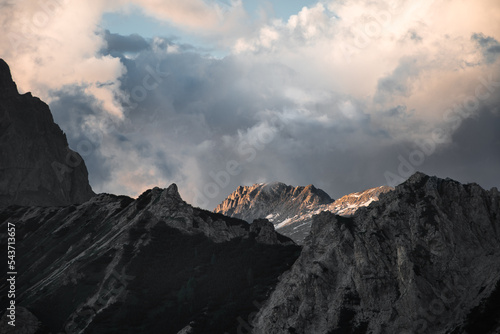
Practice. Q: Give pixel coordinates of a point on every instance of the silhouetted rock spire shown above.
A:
(7, 85)
(36, 165)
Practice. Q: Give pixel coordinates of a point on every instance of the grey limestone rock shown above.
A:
(423, 259)
(291, 209)
(36, 165)
(89, 268)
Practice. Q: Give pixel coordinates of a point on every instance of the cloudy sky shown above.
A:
(212, 94)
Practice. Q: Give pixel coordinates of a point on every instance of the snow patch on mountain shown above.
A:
(291, 209)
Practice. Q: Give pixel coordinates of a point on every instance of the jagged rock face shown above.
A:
(348, 205)
(265, 199)
(150, 265)
(424, 259)
(8, 87)
(36, 165)
(291, 209)
(299, 226)
(265, 233)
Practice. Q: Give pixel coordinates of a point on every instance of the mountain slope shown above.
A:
(291, 209)
(36, 165)
(423, 259)
(114, 264)
(348, 205)
(265, 199)
(299, 226)
(151, 265)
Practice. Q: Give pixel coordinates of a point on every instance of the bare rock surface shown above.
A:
(36, 165)
(264, 199)
(425, 258)
(151, 265)
(291, 209)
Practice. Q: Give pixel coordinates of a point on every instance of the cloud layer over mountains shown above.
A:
(345, 95)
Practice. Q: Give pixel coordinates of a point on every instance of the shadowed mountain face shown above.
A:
(423, 259)
(151, 265)
(291, 209)
(36, 165)
(114, 264)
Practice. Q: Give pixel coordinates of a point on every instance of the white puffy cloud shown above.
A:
(53, 43)
(385, 53)
(331, 95)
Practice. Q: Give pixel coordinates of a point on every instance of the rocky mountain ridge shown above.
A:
(423, 259)
(347, 205)
(115, 264)
(102, 263)
(259, 200)
(290, 208)
(37, 167)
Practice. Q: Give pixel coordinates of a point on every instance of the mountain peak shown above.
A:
(172, 190)
(165, 197)
(418, 177)
(430, 242)
(7, 85)
(188, 259)
(290, 209)
(38, 166)
(262, 199)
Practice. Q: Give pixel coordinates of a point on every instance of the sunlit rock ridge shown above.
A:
(290, 208)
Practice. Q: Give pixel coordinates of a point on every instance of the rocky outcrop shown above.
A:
(37, 167)
(8, 87)
(291, 209)
(423, 259)
(348, 205)
(151, 265)
(265, 233)
(266, 200)
(299, 226)
(281, 204)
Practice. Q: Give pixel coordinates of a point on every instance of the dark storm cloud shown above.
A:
(474, 155)
(217, 93)
(188, 115)
(105, 141)
(489, 46)
(117, 43)
(165, 43)
(71, 110)
(399, 111)
(471, 155)
(204, 107)
(398, 83)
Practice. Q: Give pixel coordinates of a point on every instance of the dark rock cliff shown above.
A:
(424, 259)
(36, 165)
(150, 265)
